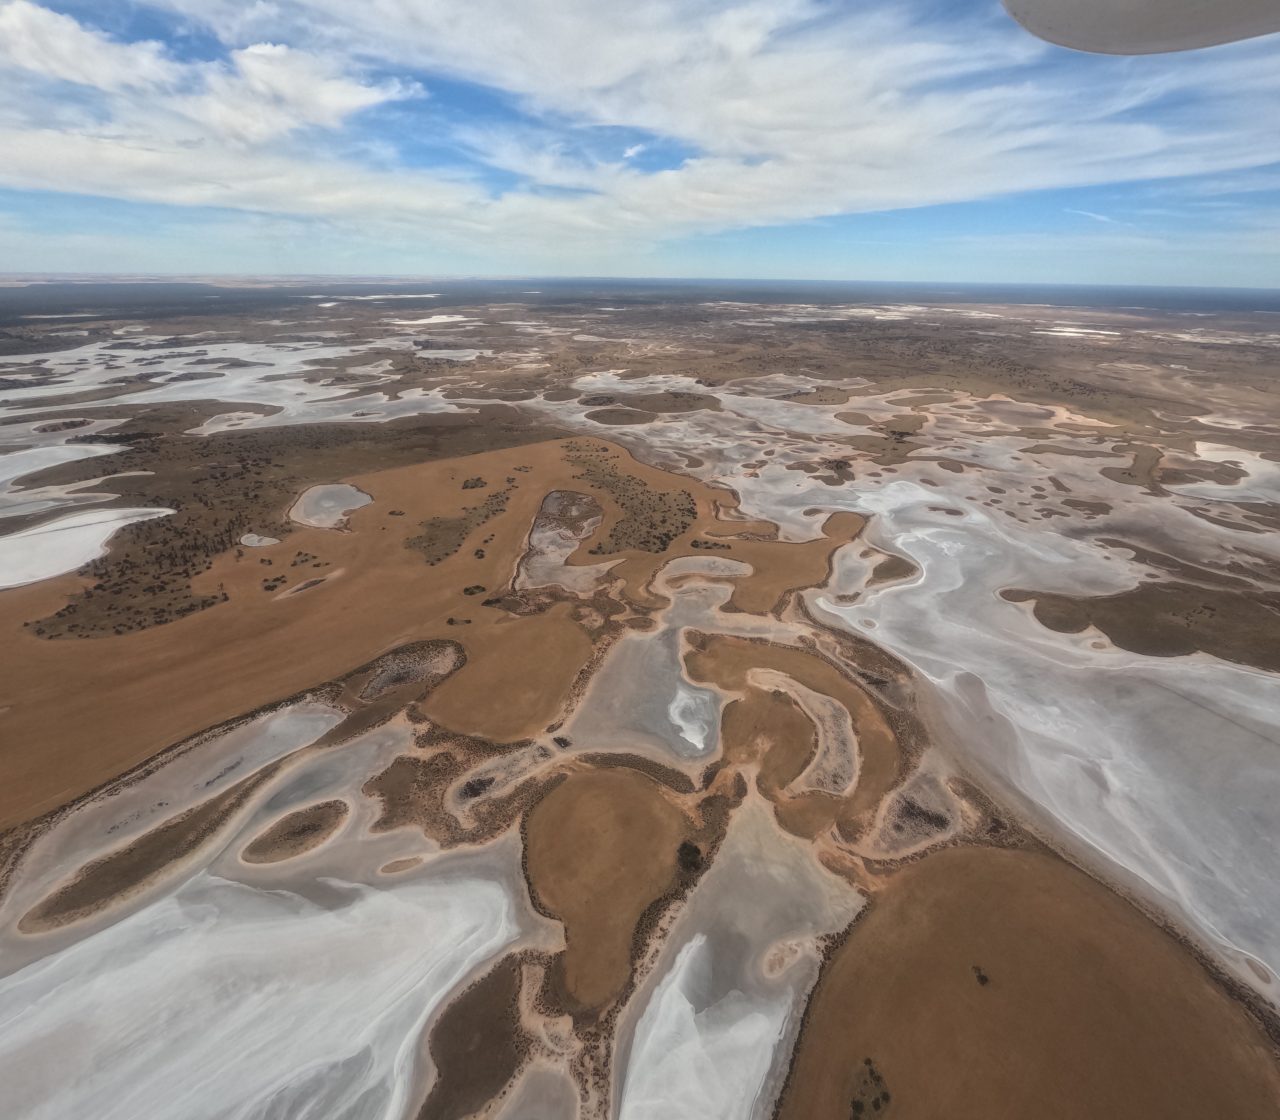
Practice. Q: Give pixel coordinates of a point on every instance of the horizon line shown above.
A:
(22, 278)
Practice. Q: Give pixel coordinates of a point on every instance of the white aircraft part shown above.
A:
(1145, 26)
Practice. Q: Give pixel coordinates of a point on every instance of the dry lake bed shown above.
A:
(638, 701)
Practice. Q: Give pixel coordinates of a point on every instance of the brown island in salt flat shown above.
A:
(633, 751)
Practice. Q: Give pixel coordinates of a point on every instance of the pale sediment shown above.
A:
(656, 792)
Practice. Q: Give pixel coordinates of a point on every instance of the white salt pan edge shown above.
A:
(1163, 766)
(699, 1061)
(1260, 484)
(404, 295)
(430, 319)
(326, 507)
(706, 1038)
(1154, 770)
(16, 464)
(288, 1008)
(63, 545)
(109, 822)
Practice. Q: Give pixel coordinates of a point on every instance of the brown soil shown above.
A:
(1171, 619)
(668, 400)
(620, 416)
(1144, 471)
(297, 833)
(477, 1045)
(221, 487)
(600, 849)
(825, 394)
(125, 872)
(768, 730)
(778, 566)
(890, 444)
(980, 983)
(1090, 509)
(725, 662)
(255, 648)
(515, 681)
(891, 569)
(986, 983)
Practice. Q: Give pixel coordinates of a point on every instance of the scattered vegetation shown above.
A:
(441, 537)
(871, 1097)
(651, 519)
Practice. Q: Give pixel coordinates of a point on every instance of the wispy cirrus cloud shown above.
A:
(1106, 219)
(496, 121)
(53, 45)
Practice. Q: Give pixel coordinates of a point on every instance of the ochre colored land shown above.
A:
(297, 833)
(302, 612)
(985, 984)
(726, 661)
(600, 848)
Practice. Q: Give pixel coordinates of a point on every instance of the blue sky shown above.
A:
(807, 139)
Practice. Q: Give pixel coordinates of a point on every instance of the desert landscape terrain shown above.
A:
(547, 701)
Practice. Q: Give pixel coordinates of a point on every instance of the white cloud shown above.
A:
(793, 109)
(258, 94)
(269, 90)
(35, 39)
(278, 183)
(1093, 216)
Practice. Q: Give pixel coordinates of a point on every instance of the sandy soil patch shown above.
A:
(769, 731)
(726, 661)
(477, 1045)
(779, 566)
(297, 833)
(621, 416)
(1169, 619)
(254, 648)
(126, 871)
(599, 849)
(984, 984)
(516, 675)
